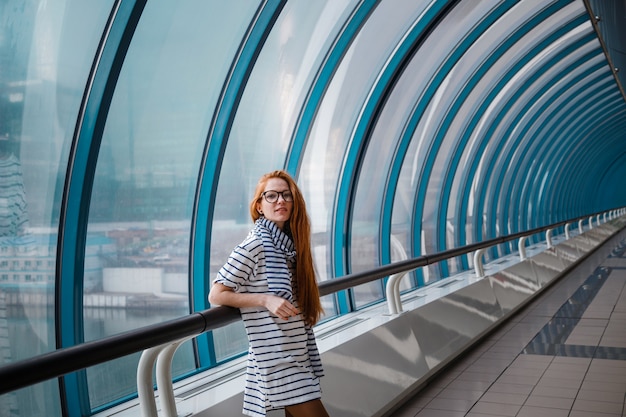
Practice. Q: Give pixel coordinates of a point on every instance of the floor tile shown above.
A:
(549, 402)
(439, 413)
(556, 392)
(504, 398)
(478, 376)
(502, 387)
(575, 413)
(531, 411)
(602, 386)
(518, 379)
(450, 404)
(460, 394)
(502, 410)
(559, 383)
(608, 396)
(598, 406)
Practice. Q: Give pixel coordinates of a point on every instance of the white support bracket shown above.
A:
(580, 226)
(164, 378)
(478, 263)
(392, 289)
(145, 391)
(567, 225)
(549, 238)
(162, 355)
(590, 222)
(522, 248)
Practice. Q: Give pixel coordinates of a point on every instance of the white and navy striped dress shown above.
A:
(284, 364)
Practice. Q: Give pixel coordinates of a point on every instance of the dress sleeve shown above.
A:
(238, 270)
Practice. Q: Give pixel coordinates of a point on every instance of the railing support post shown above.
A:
(580, 226)
(590, 222)
(164, 378)
(567, 225)
(549, 238)
(478, 263)
(392, 289)
(145, 390)
(521, 243)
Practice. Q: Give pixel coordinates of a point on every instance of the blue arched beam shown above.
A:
(524, 192)
(513, 170)
(508, 133)
(540, 176)
(615, 128)
(585, 154)
(613, 179)
(77, 194)
(423, 176)
(465, 137)
(471, 172)
(585, 134)
(217, 139)
(380, 92)
(400, 153)
(495, 198)
(412, 42)
(567, 198)
(520, 137)
(465, 187)
(312, 103)
(581, 183)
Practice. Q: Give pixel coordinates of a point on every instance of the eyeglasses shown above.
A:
(271, 196)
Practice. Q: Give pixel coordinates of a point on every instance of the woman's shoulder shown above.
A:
(251, 244)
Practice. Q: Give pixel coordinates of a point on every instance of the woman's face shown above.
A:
(279, 211)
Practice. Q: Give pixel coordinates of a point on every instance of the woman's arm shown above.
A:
(222, 295)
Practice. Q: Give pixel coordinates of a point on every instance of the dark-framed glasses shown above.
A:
(271, 196)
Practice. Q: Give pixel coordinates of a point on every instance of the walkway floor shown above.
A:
(563, 355)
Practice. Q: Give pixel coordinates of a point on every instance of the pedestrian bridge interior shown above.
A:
(132, 134)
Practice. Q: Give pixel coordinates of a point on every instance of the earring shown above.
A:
(260, 212)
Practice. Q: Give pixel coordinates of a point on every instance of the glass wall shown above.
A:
(148, 164)
(46, 52)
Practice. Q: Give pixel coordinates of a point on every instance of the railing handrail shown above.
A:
(63, 361)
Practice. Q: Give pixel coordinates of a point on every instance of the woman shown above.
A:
(270, 278)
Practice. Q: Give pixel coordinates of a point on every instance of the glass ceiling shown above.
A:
(133, 132)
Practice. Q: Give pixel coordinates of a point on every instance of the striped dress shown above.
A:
(284, 364)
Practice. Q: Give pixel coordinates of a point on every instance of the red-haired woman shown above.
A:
(271, 279)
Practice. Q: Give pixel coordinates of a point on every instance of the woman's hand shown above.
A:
(280, 307)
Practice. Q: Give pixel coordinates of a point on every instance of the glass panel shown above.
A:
(46, 51)
(513, 55)
(448, 35)
(503, 160)
(470, 63)
(137, 254)
(262, 131)
(424, 67)
(372, 182)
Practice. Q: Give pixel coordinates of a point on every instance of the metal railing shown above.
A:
(160, 341)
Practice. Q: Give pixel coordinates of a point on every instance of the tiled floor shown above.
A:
(562, 355)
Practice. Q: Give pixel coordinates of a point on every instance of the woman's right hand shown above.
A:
(280, 307)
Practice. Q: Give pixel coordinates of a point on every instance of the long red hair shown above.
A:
(299, 225)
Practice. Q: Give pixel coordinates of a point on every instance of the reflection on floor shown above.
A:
(563, 355)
